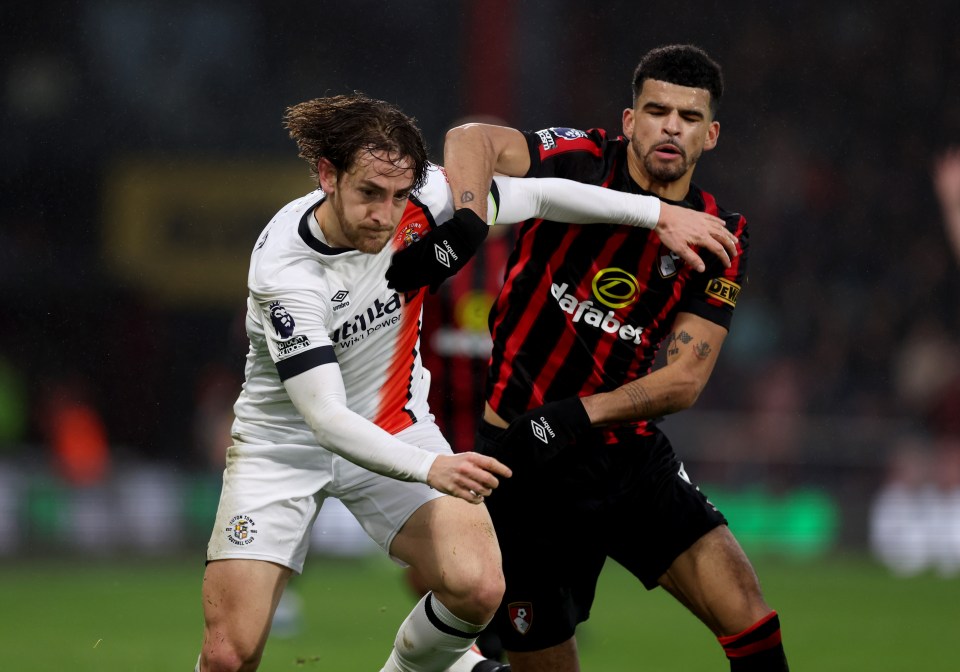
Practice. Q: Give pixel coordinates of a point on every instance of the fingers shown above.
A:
(491, 465)
(469, 476)
(692, 259)
(680, 229)
(727, 239)
(720, 245)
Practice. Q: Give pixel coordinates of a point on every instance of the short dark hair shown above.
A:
(339, 128)
(682, 64)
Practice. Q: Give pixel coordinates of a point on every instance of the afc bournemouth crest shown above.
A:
(521, 616)
(241, 530)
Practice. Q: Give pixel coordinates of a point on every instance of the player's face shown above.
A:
(669, 127)
(367, 202)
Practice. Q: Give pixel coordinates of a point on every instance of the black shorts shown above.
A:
(630, 501)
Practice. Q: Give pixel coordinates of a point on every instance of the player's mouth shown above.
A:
(377, 231)
(668, 151)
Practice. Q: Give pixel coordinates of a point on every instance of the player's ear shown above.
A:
(327, 175)
(628, 122)
(713, 134)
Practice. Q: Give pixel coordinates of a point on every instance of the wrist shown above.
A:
(574, 414)
(593, 408)
(421, 473)
(471, 225)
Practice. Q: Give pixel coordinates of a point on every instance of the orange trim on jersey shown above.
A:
(392, 414)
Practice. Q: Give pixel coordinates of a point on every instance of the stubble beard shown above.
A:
(354, 235)
(664, 173)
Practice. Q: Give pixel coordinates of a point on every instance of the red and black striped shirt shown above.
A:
(583, 309)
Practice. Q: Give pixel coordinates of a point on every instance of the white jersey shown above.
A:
(311, 304)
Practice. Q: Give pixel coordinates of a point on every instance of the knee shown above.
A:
(489, 592)
(477, 594)
(225, 656)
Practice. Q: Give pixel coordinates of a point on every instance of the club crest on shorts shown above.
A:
(521, 616)
(241, 530)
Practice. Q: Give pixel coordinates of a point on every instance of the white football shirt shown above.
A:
(311, 304)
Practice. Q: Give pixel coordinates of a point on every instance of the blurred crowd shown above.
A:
(835, 126)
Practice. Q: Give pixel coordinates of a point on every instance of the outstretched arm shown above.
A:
(562, 200)
(946, 182)
(473, 153)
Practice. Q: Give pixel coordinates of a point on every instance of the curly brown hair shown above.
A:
(340, 128)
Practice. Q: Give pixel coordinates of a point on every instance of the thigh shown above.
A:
(658, 512)
(450, 542)
(714, 579)
(552, 557)
(267, 508)
(239, 598)
(383, 505)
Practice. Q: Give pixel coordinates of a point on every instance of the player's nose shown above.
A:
(381, 213)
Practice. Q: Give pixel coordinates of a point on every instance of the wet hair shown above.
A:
(684, 65)
(342, 128)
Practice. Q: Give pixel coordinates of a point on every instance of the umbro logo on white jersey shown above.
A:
(340, 299)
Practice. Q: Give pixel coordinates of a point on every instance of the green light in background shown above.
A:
(801, 523)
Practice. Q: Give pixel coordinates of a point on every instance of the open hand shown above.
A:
(469, 476)
(680, 228)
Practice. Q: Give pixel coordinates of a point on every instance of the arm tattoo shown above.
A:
(674, 341)
(702, 350)
(466, 197)
(640, 398)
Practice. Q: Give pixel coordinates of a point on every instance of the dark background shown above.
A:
(165, 119)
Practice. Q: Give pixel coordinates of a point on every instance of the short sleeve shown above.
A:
(295, 330)
(567, 152)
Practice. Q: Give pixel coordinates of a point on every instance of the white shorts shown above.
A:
(272, 493)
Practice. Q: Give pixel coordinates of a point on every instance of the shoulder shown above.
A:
(283, 255)
(707, 202)
(558, 140)
(435, 195)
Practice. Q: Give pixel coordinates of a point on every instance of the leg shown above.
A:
(488, 643)
(560, 658)
(714, 579)
(454, 550)
(452, 546)
(552, 558)
(237, 622)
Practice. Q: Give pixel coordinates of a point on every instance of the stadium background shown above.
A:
(142, 152)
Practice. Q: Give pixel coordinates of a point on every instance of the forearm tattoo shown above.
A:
(640, 399)
(466, 197)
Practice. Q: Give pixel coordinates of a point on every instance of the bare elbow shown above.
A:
(468, 133)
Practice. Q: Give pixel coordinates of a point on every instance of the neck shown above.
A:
(329, 224)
